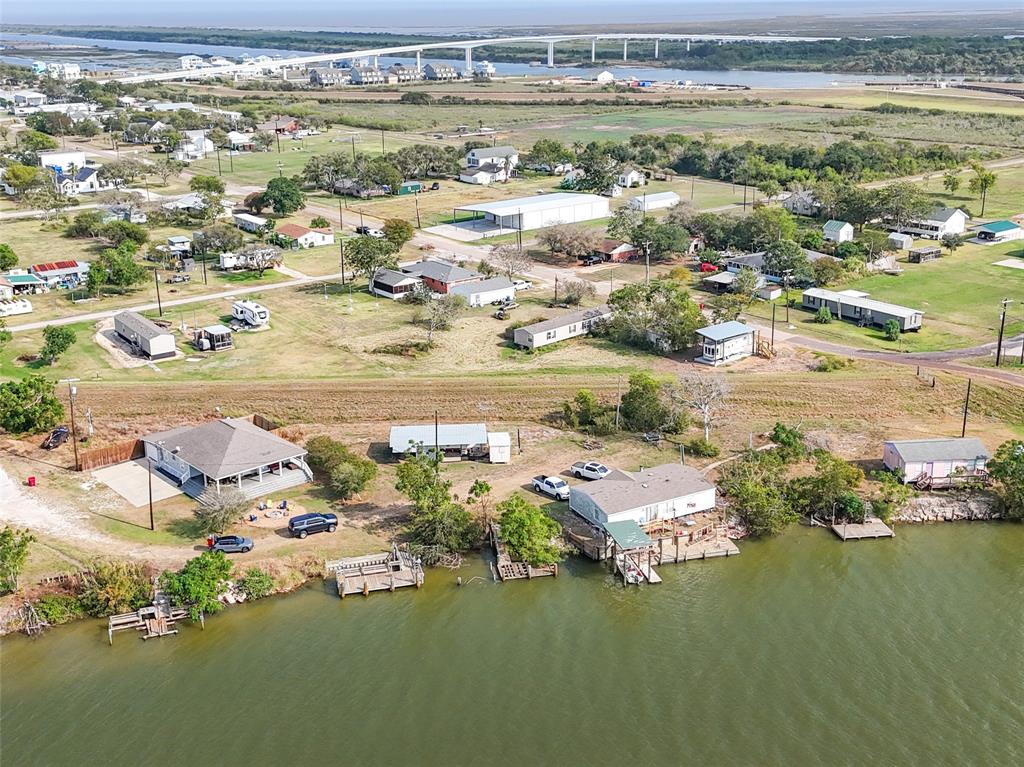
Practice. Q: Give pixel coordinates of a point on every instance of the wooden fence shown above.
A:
(108, 456)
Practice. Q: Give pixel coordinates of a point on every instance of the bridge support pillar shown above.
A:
(375, 65)
(687, 46)
(656, 43)
(419, 67)
(593, 50)
(625, 49)
(469, 61)
(551, 54)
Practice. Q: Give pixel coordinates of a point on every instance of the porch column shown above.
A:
(625, 49)
(551, 54)
(656, 42)
(593, 50)
(218, 486)
(260, 473)
(238, 481)
(469, 61)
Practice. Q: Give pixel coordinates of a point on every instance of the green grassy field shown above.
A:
(1005, 199)
(959, 295)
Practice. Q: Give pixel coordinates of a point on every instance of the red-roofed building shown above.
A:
(303, 237)
(615, 250)
(61, 273)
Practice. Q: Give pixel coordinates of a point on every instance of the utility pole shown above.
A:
(647, 262)
(967, 402)
(1002, 326)
(219, 171)
(774, 307)
(785, 282)
(341, 216)
(437, 446)
(353, 147)
(72, 397)
(156, 279)
(416, 199)
(278, 141)
(341, 242)
(382, 141)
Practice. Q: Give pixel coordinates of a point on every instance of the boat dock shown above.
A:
(386, 571)
(634, 569)
(157, 620)
(872, 527)
(509, 569)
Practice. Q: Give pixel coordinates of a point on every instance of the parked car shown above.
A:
(553, 486)
(522, 284)
(706, 267)
(369, 231)
(435, 186)
(180, 278)
(56, 438)
(231, 544)
(591, 260)
(304, 524)
(588, 470)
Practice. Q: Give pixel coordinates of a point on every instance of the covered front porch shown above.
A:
(253, 483)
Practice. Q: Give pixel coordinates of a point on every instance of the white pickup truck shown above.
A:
(588, 470)
(553, 486)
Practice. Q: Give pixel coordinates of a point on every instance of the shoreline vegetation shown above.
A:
(992, 55)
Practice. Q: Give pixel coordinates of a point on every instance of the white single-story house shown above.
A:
(669, 491)
(998, 231)
(802, 203)
(57, 273)
(726, 342)
(62, 162)
(194, 146)
(230, 452)
(392, 284)
(937, 224)
(630, 177)
(179, 245)
(604, 78)
(304, 237)
(561, 328)
(525, 213)
(484, 292)
(837, 231)
(455, 441)
(916, 459)
(755, 261)
(148, 338)
(900, 241)
(248, 222)
(656, 201)
(852, 305)
(488, 173)
(81, 181)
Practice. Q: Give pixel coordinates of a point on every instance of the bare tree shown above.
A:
(442, 312)
(216, 512)
(704, 393)
(510, 259)
(575, 291)
(568, 239)
(260, 257)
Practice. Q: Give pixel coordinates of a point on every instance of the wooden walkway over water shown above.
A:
(386, 571)
(509, 569)
(872, 527)
(156, 620)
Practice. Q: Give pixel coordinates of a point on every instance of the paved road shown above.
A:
(92, 316)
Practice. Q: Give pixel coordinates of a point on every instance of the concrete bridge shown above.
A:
(468, 46)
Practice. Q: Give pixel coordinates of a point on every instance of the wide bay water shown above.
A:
(800, 651)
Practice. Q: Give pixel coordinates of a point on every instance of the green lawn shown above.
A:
(1005, 199)
(959, 295)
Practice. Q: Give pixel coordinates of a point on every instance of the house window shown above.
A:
(550, 334)
(572, 328)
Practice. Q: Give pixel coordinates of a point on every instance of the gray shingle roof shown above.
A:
(569, 319)
(441, 271)
(915, 450)
(139, 325)
(226, 447)
(391, 278)
(493, 151)
(725, 330)
(622, 490)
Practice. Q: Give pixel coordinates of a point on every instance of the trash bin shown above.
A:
(31, 481)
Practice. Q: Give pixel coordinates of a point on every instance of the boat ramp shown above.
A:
(386, 571)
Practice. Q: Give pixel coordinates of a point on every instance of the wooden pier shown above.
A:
(157, 620)
(386, 571)
(873, 527)
(509, 569)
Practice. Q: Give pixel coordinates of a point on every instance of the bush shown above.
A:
(701, 448)
(824, 316)
(831, 362)
(410, 349)
(198, 584)
(56, 609)
(789, 441)
(892, 330)
(125, 231)
(256, 584)
(345, 472)
(528, 532)
(113, 587)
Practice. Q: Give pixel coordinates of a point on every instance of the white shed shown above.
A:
(838, 231)
(656, 201)
(499, 447)
(900, 241)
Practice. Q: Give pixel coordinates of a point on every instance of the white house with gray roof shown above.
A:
(915, 459)
(936, 225)
(669, 491)
(492, 154)
(392, 284)
(561, 328)
(726, 342)
(230, 452)
(144, 336)
(486, 291)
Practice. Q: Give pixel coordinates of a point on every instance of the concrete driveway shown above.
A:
(130, 480)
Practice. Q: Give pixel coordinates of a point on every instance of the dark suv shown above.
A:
(304, 524)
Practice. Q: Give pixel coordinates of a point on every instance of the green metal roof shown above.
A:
(22, 279)
(999, 226)
(628, 535)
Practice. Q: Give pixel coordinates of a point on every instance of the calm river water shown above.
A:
(801, 651)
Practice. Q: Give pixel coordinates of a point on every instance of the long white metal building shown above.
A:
(525, 213)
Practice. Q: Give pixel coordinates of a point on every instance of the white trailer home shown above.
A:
(251, 313)
(248, 222)
(851, 305)
(561, 328)
(915, 460)
(669, 491)
(485, 291)
(144, 336)
(726, 342)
